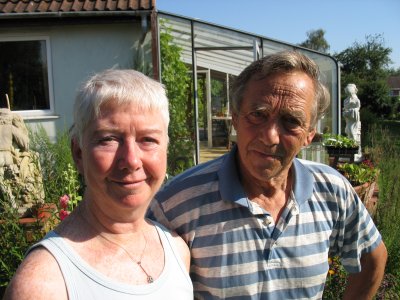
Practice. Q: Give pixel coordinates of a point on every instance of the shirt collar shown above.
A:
(232, 190)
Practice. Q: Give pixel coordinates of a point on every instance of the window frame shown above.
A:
(32, 114)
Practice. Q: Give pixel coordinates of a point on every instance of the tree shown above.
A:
(177, 83)
(316, 41)
(366, 65)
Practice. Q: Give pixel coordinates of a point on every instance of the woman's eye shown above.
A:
(149, 141)
(108, 140)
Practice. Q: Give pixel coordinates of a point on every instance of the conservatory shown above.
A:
(215, 55)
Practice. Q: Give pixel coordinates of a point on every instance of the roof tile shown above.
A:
(77, 6)
(66, 5)
(31, 7)
(122, 5)
(88, 5)
(43, 6)
(111, 5)
(134, 4)
(394, 82)
(9, 7)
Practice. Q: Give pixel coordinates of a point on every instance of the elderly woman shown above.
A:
(106, 249)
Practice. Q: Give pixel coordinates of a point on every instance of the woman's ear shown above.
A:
(77, 154)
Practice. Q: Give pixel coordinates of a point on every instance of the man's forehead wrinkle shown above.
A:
(283, 90)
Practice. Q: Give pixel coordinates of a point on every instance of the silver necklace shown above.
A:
(138, 262)
(150, 279)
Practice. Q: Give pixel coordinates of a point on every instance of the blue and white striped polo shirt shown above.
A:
(238, 253)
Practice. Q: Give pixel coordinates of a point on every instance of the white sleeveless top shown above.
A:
(84, 282)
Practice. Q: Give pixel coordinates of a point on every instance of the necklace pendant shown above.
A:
(150, 279)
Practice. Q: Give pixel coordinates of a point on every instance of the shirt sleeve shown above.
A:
(156, 213)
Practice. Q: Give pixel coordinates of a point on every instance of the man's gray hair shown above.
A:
(285, 61)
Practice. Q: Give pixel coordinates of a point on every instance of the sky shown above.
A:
(344, 21)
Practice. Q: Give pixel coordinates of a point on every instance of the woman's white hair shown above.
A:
(119, 87)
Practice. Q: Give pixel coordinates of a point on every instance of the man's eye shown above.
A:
(256, 117)
(292, 123)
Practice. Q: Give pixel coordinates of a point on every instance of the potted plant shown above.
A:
(362, 176)
(339, 144)
(359, 173)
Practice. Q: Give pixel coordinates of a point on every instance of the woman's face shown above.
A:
(123, 156)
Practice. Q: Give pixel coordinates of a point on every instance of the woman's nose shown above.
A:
(130, 155)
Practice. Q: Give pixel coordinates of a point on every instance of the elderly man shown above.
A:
(261, 223)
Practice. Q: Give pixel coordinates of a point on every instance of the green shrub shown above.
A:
(55, 160)
(15, 239)
(177, 82)
(59, 178)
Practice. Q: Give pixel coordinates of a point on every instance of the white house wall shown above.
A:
(78, 51)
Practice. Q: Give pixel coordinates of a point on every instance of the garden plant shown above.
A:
(385, 155)
(62, 187)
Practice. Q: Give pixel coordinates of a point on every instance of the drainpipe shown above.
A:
(155, 46)
(144, 25)
(140, 60)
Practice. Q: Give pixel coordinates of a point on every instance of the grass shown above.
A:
(385, 152)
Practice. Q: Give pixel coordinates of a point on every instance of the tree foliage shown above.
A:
(316, 41)
(366, 65)
(176, 79)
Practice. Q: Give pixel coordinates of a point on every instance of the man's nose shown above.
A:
(269, 133)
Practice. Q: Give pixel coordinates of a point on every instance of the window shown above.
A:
(24, 74)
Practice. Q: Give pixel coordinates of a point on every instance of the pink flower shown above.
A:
(64, 201)
(63, 214)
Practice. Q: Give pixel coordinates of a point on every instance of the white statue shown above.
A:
(351, 114)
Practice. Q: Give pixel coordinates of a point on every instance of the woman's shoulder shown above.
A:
(38, 276)
(180, 244)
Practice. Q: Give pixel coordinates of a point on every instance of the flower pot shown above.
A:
(337, 151)
(366, 192)
(45, 211)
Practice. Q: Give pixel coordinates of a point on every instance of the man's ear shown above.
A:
(77, 154)
(234, 120)
(309, 137)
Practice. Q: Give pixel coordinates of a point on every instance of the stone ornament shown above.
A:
(20, 174)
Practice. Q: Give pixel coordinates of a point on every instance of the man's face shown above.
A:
(273, 124)
(123, 157)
